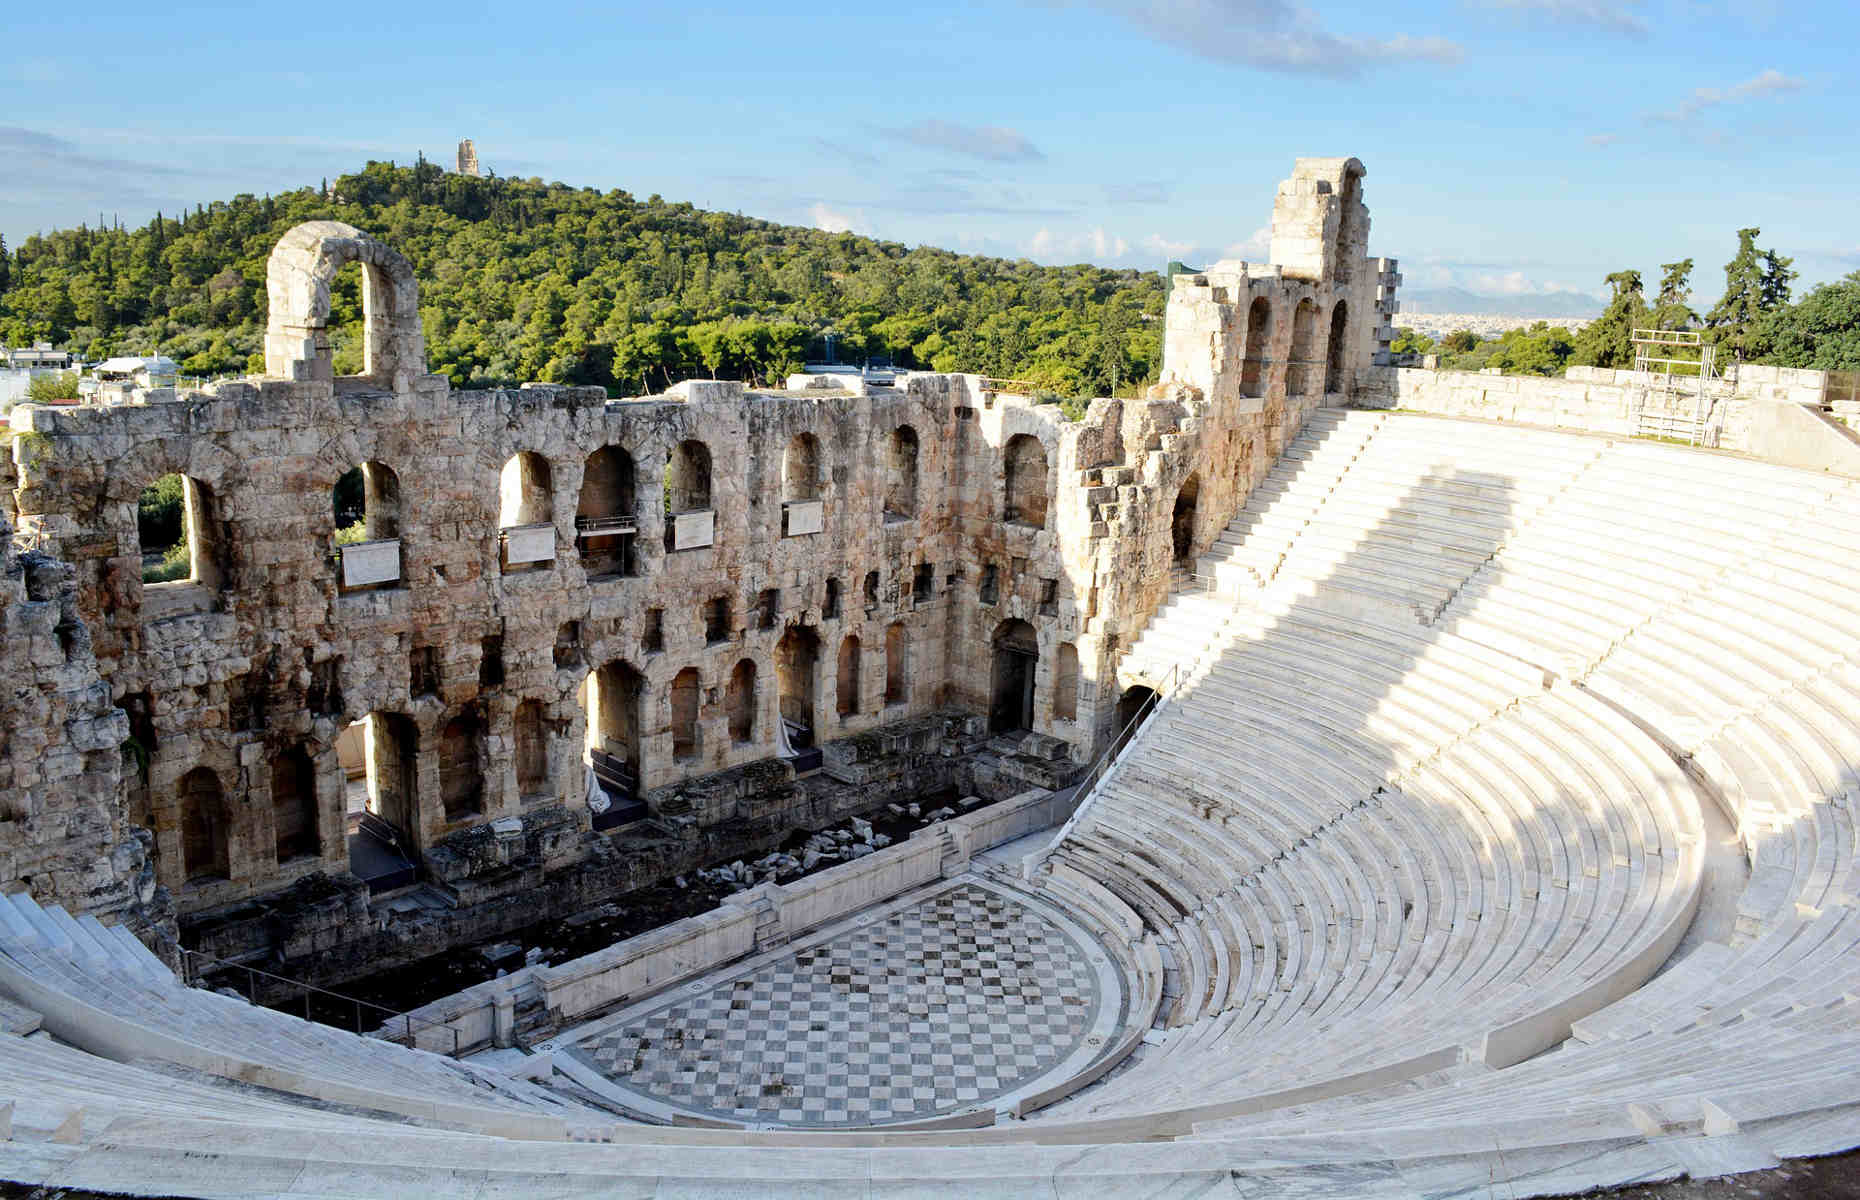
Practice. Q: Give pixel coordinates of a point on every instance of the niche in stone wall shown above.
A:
(897, 668)
(846, 692)
(206, 827)
(1258, 339)
(529, 730)
(687, 693)
(1334, 360)
(1066, 683)
(294, 806)
(740, 701)
(900, 503)
(1304, 373)
(830, 605)
(607, 514)
(1182, 522)
(461, 772)
(1024, 479)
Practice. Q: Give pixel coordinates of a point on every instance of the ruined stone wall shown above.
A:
(958, 528)
(63, 833)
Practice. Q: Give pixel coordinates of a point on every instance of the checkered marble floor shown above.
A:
(934, 1007)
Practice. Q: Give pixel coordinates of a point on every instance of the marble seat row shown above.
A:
(101, 989)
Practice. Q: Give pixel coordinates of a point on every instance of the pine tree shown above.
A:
(1608, 341)
(1735, 315)
(1774, 290)
(6, 266)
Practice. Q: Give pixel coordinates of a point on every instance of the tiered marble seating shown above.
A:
(1426, 805)
(98, 988)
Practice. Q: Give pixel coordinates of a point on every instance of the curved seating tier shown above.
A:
(1403, 857)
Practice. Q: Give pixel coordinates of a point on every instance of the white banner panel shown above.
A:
(371, 562)
(804, 516)
(529, 543)
(693, 529)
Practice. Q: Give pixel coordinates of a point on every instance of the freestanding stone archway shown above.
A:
(297, 281)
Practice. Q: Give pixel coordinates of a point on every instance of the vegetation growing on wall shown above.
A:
(522, 280)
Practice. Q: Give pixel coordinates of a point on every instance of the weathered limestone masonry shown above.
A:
(684, 590)
(63, 827)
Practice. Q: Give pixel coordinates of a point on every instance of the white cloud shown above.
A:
(1274, 35)
(1253, 249)
(1619, 16)
(1770, 83)
(1603, 140)
(1095, 245)
(990, 143)
(834, 221)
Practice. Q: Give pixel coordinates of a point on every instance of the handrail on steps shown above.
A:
(1112, 753)
(410, 1024)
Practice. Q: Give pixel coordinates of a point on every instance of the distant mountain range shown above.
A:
(1459, 300)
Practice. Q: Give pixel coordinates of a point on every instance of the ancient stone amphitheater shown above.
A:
(1433, 805)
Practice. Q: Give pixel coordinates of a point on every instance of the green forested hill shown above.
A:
(522, 280)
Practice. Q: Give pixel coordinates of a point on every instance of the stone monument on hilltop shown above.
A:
(468, 158)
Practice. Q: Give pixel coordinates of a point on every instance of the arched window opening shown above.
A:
(797, 659)
(689, 521)
(1182, 522)
(686, 695)
(1302, 376)
(380, 758)
(607, 514)
(846, 693)
(525, 512)
(613, 699)
(802, 511)
(530, 733)
(1339, 327)
(741, 702)
(1258, 340)
(1343, 250)
(177, 529)
(800, 468)
(830, 606)
(294, 806)
(1025, 479)
(1133, 708)
(341, 303)
(897, 669)
(461, 771)
(1016, 661)
(901, 474)
(206, 827)
(367, 508)
(1066, 683)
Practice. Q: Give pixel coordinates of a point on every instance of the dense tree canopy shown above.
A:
(522, 280)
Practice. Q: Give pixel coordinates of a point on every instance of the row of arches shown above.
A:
(1302, 372)
(206, 817)
(615, 696)
(178, 515)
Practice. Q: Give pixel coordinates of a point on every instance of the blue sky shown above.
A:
(1513, 146)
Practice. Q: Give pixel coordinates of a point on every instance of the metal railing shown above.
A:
(411, 1026)
(1161, 690)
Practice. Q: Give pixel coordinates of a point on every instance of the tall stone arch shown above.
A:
(297, 282)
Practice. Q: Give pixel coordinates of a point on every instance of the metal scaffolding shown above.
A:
(1656, 354)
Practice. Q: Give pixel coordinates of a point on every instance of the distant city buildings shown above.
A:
(1439, 325)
